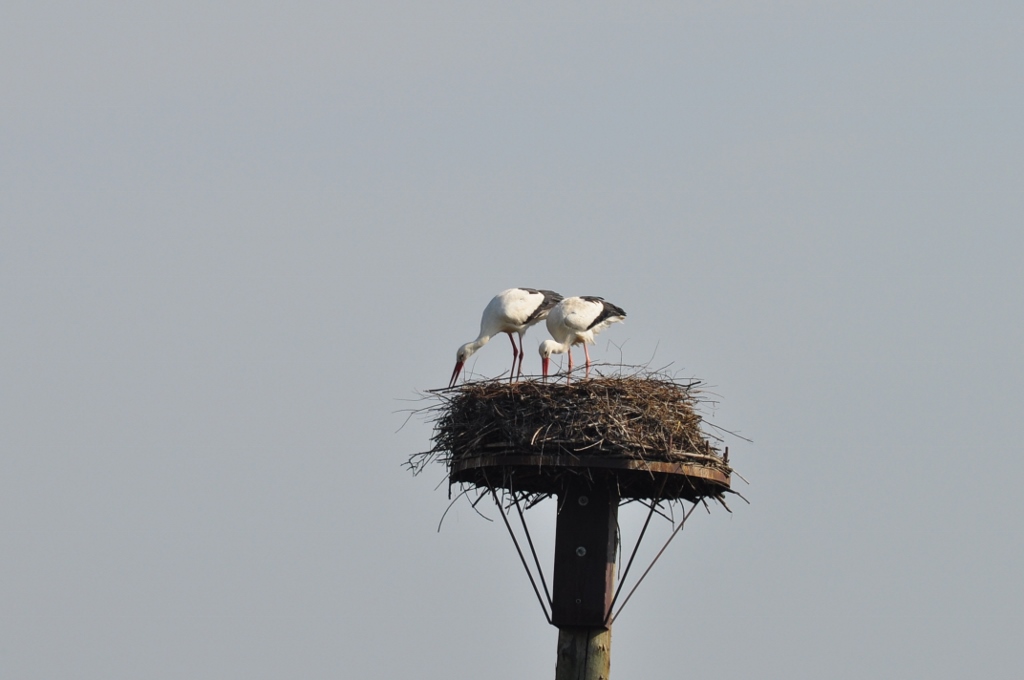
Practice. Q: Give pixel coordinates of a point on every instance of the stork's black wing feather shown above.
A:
(551, 298)
(607, 310)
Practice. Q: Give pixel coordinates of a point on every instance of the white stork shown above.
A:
(575, 321)
(510, 311)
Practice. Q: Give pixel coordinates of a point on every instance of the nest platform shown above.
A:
(640, 435)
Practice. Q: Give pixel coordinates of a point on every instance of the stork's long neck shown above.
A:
(471, 347)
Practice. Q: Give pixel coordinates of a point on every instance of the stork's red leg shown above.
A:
(522, 353)
(588, 358)
(515, 355)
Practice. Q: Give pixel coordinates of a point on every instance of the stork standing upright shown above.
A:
(510, 311)
(575, 321)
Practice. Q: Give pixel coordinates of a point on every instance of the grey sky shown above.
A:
(234, 238)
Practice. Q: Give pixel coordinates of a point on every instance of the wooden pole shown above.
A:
(584, 654)
(584, 578)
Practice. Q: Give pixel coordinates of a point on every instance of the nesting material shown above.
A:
(642, 431)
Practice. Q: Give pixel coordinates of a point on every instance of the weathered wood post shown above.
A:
(584, 654)
(584, 578)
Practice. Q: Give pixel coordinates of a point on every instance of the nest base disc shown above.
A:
(635, 479)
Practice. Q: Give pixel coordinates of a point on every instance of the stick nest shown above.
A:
(651, 418)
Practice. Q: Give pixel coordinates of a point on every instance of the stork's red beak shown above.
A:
(455, 374)
(544, 365)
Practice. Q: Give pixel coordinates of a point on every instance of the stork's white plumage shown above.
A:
(575, 321)
(510, 311)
